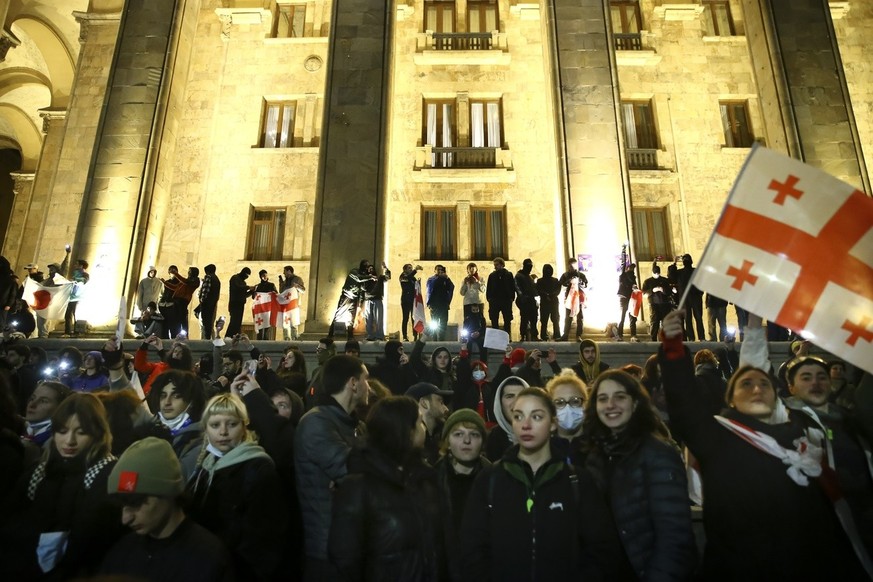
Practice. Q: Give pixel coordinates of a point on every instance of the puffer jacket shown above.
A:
(554, 525)
(324, 439)
(644, 481)
(386, 522)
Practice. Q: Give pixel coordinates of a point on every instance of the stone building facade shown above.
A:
(262, 133)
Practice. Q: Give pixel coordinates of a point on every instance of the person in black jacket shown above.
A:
(385, 522)
(461, 447)
(236, 493)
(526, 301)
(238, 293)
(549, 288)
(627, 282)
(59, 522)
(394, 370)
(640, 470)
(759, 508)
(500, 293)
(533, 517)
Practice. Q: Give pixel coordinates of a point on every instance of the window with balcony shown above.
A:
(735, 123)
(439, 234)
(439, 15)
(288, 20)
(651, 235)
(440, 131)
(277, 124)
(266, 234)
(717, 18)
(488, 232)
(640, 135)
(626, 24)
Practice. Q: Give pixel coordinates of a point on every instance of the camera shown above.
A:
(251, 367)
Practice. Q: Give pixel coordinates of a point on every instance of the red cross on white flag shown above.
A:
(795, 246)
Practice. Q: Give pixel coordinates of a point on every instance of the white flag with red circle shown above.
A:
(49, 302)
(795, 246)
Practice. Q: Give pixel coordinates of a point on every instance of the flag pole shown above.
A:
(706, 249)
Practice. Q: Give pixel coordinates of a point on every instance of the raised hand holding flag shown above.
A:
(795, 246)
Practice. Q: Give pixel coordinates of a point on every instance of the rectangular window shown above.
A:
(278, 124)
(717, 18)
(440, 130)
(266, 235)
(439, 234)
(735, 123)
(485, 124)
(288, 20)
(640, 135)
(625, 15)
(651, 236)
(489, 233)
(482, 16)
(439, 15)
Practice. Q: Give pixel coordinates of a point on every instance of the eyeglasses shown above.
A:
(575, 402)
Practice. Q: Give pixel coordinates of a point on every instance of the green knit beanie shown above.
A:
(463, 415)
(147, 467)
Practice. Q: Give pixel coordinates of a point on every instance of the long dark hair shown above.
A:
(644, 419)
(390, 424)
(186, 384)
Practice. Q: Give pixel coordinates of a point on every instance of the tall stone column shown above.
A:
(793, 43)
(596, 191)
(31, 249)
(117, 194)
(21, 192)
(349, 209)
(65, 171)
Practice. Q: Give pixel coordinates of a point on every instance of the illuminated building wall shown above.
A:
(525, 129)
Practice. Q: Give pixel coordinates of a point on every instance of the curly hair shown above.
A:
(186, 385)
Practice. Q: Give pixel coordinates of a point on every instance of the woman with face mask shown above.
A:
(236, 493)
(636, 464)
(472, 389)
(568, 393)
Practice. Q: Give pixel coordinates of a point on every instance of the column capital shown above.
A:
(21, 179)
(7, 41)
(50, 117)
(89, 19)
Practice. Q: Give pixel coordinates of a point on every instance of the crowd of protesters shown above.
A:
(164, 464)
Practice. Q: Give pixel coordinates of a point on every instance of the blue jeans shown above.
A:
(374, 319)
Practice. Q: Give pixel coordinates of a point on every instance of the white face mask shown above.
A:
(478, 375)
(570, 417)
(656, 275)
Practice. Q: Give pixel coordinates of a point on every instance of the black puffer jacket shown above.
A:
(385, 524)
(645, 483)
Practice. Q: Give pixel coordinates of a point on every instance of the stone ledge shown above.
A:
(491, 57)
(465, 175)
(644, 58)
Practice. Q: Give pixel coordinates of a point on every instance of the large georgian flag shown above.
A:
(287, 303)
(48, 302)
(263, 311)
(795, 246)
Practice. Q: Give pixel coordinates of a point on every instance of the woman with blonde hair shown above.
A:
(236, 492)
(569, 395)
(59, 522)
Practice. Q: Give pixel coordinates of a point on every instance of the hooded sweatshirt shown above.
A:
(589, 372)
(500, 440)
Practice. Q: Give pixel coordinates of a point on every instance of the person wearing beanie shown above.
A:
(353, 348)
(461, 461)
(394, 369)
(163, 544)
(589, 365)
(93, 376)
